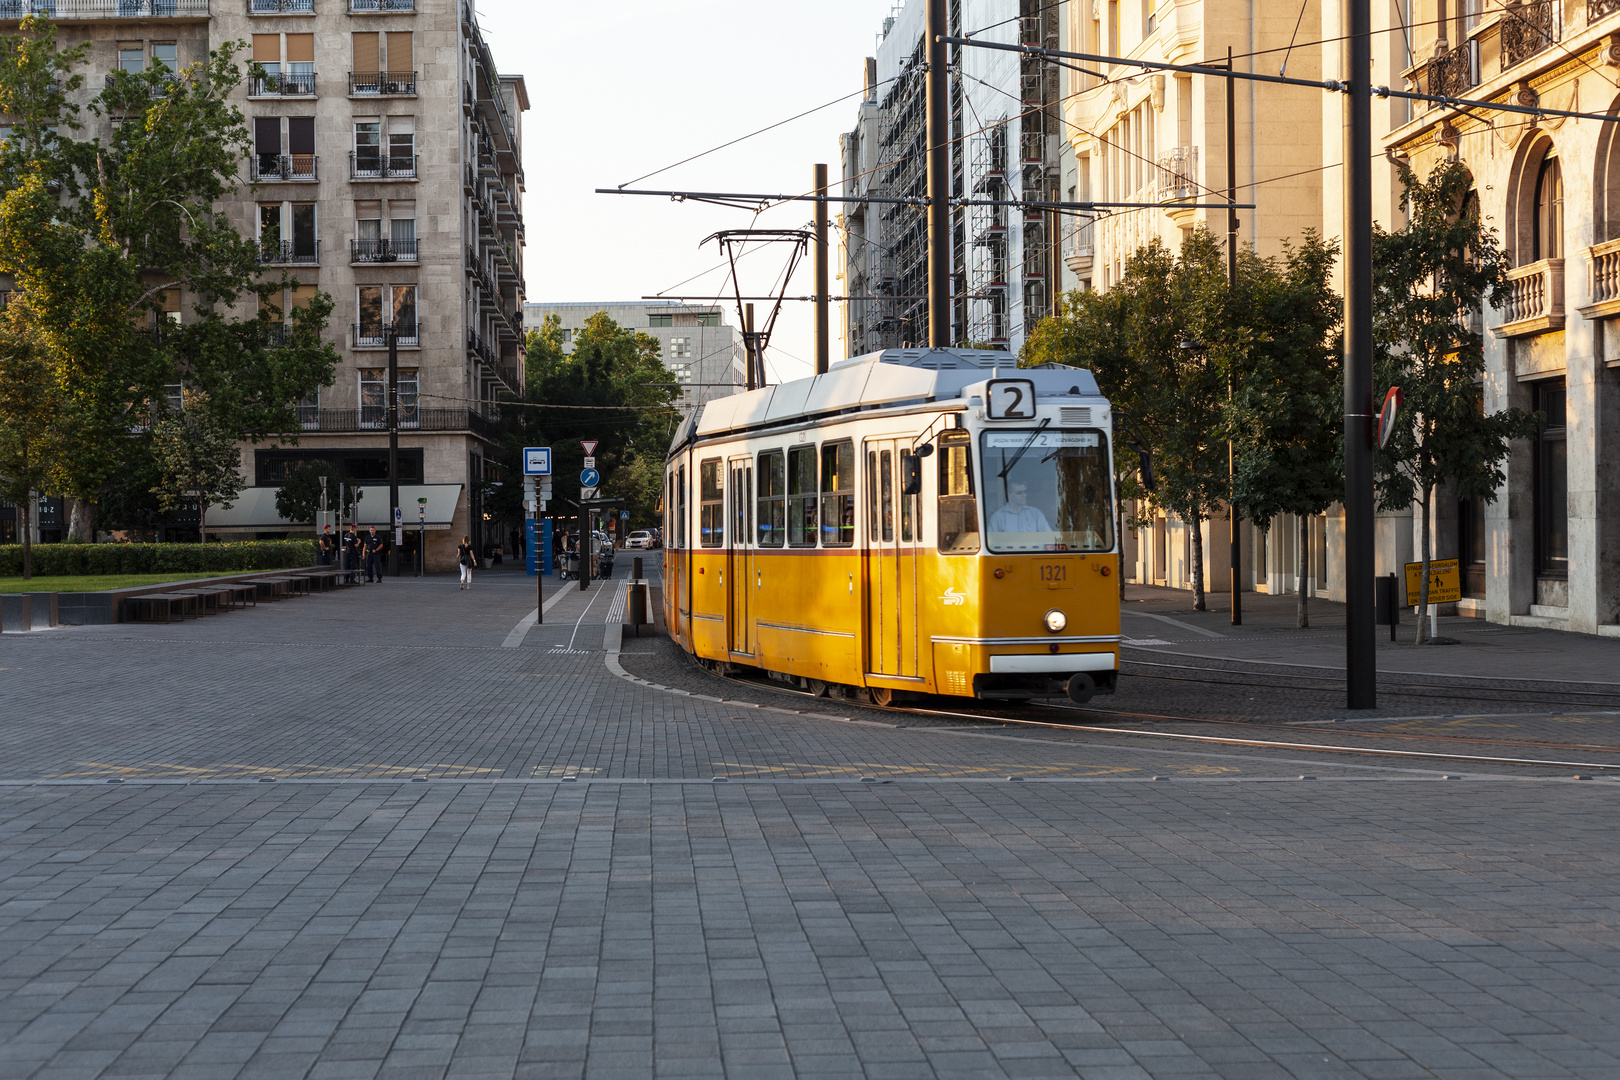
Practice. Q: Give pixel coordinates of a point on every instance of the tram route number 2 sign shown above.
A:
(1011, 399)
(1445, 581)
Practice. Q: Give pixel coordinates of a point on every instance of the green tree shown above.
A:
(1145, 341)
(199, 458)
(103, 232)
(299, 497)
(1285, 413)
(612, 388)
(1429, 279)
(30, 426)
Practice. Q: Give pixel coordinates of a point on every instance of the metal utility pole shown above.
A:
(823, 347)
(1360, 640)
(393, 451)
(1233, 520)
(749, 344)
(939, 181)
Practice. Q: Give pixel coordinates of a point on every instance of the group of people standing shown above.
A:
(355, 549)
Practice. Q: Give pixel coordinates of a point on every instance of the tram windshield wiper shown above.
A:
(1016, 458)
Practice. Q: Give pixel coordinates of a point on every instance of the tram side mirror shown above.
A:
(910, 475)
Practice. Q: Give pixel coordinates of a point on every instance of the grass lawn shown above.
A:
(92, 582)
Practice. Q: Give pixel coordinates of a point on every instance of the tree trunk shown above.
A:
(1423, 577)
(1304, 570)
(82, 521)
(1197, 527)
(24, 512)
(202, 519)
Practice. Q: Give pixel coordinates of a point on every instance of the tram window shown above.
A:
(772, 499)
(801, 499)
(886, 478)
(1048, 491)
(871, 495)
(958, 505)
(711, 505)
(910, 488)
(680, 509)
(838, 494)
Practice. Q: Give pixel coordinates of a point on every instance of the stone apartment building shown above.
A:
(386, 170)
(703, 353)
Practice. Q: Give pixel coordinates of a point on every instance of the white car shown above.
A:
(641, 538)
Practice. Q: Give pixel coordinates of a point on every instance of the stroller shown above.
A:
(569, 568)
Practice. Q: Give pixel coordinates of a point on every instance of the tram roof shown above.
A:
(890, 377)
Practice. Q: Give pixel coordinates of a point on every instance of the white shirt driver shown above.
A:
(1027, 520)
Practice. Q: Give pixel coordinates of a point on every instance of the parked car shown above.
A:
(641, 538)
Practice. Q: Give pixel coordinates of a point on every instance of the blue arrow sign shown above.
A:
(589, 478)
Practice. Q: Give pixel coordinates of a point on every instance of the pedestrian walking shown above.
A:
(373, 549)
(465, 556)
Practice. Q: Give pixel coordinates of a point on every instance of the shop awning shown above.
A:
(255, 508)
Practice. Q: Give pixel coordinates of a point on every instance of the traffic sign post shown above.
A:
(421, 536)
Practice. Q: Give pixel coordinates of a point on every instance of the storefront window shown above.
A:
(1552, 484)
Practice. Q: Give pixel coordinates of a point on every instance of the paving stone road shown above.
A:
(391, 833)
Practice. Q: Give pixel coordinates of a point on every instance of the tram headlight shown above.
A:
(1056, 620)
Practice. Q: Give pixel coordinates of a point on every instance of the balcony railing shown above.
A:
(280, 7)
(367, 6)
(104, 9)
(476, 346)
(299, 167)
(1603, 276)
(413, 416)
(306, 252)
(1534, 301)
(1454, 73)
(382, 83)
(367, 335)
(1528, 29)
(1178, 172)
(282, 84)
(377, 167)
(382, 251)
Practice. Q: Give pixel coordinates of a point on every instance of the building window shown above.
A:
(1471, 545)
(402, 146)
(1547, 227)
(680, 348)
(708, 318)
(660, 320)
(1552, 483)
(164, 55)
(711, 505)
(682, 373)
(368, 148)
(309, 412)
(132, 58)
(386, 305)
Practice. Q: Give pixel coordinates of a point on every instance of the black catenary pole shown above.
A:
(395, 534)
(1234, 522)
(939, 182)
(1361, 661)
(823, 348)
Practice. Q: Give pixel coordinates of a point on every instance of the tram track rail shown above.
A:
(1019, 717)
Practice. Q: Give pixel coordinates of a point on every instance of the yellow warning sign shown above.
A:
(1445, 581)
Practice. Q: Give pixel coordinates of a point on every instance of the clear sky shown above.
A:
(625, 88)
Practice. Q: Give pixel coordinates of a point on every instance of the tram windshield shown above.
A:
(1047, 490)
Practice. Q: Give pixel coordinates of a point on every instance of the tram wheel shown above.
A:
(882, 695)
(817, 688)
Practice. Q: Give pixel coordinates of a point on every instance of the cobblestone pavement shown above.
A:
(391, 832)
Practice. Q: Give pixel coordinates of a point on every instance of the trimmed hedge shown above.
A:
(74, 559)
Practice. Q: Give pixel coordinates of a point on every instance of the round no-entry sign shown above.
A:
(1387, 414)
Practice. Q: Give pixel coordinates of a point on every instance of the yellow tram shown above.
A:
(914, 521)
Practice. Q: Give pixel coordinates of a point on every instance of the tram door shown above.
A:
(891, 564)
(740, 556)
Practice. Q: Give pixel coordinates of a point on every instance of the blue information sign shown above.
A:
(537, 461)
(589, 478)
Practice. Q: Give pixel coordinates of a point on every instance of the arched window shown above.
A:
(1547, 226)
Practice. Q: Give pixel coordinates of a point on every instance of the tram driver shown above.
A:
(1017, 516)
